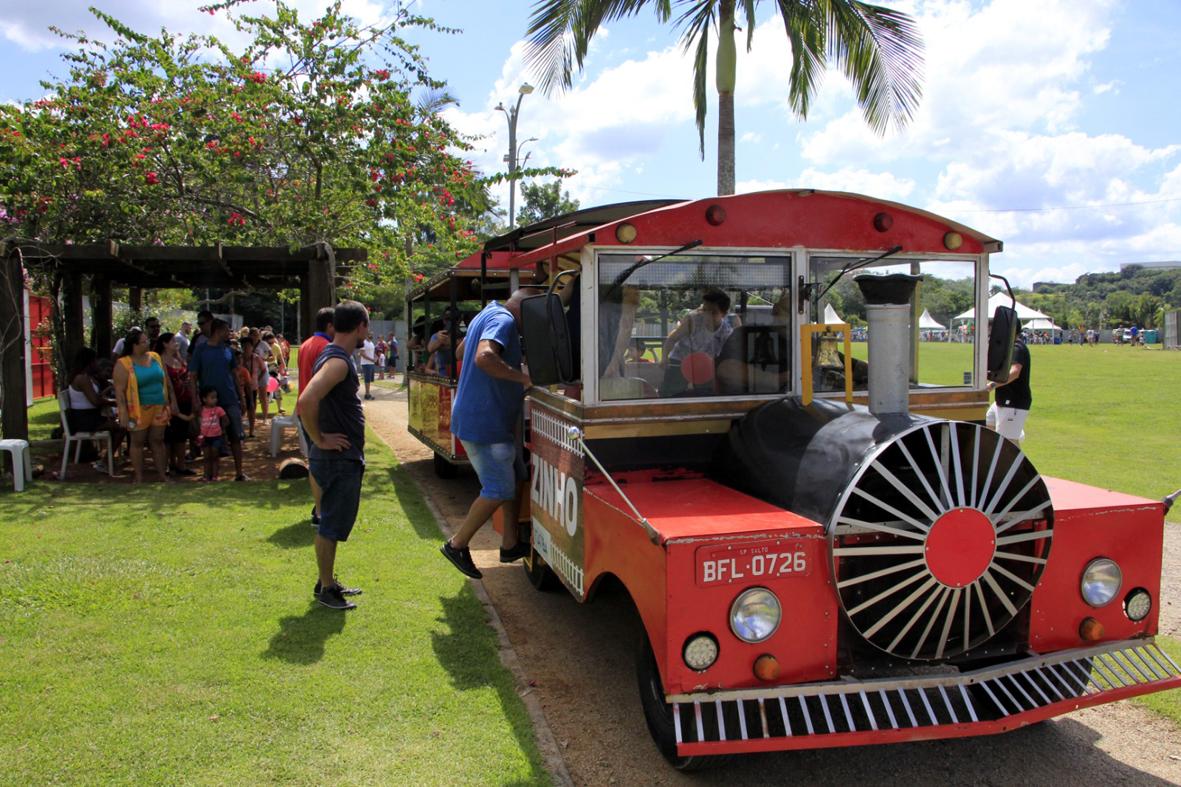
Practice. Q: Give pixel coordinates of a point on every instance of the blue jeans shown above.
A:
(499, 467)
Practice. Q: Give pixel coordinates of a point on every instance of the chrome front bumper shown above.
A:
(862, 712)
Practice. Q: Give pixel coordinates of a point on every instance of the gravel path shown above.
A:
(580, 665)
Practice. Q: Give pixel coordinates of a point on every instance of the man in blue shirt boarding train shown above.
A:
(484, 417)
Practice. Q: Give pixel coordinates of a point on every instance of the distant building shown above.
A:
(1157, 264)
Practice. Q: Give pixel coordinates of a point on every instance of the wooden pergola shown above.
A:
(315, 270)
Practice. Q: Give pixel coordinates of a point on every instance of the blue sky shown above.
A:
(1050, 124)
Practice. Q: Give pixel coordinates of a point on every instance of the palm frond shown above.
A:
(881, 52)
(700, 70)
(806, 28)
(560, 32)
(748, 11)
(432, 102)
(695, 24)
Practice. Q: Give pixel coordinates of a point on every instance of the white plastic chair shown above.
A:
(278, 424)
(63, 403)
(22, 462)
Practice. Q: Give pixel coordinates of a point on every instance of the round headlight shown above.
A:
(700, 652)
(1101, 581)
(1137, 605)
(755, 615)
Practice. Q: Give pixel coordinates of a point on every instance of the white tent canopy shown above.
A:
(929, 323)
(830, 314)
(1002, 299)
(1040, 325)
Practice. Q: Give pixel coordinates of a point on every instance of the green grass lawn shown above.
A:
(167, 634)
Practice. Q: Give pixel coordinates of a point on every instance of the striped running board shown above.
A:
(853, 712)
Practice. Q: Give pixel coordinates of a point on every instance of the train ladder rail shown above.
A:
(986, 695)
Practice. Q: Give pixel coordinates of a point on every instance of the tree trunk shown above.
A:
(726, 74)
(725, 144)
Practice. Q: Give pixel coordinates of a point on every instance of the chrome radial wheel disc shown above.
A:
(939, 540)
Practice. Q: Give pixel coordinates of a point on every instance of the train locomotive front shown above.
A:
(810, 570)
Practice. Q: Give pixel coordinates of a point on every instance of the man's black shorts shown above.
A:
(340, 498)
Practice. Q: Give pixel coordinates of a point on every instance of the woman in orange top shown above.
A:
(145, 402)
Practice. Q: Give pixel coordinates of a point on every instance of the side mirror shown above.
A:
(1000, 343)
(547, 342)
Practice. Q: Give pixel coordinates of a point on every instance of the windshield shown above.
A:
(693, 325)
(942, 342)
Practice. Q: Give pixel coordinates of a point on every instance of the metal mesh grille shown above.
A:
(984, 695)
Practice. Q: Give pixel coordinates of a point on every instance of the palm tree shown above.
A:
(877, 48)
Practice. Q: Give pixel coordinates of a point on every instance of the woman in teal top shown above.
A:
(145, 402)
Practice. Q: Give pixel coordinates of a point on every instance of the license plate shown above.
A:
(757, 561)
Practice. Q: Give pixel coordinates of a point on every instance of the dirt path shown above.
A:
(580, 664)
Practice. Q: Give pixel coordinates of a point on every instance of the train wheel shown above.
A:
(444, 468)
(659, 715)
(541, 576)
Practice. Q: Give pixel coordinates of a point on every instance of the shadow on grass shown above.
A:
(300, 640)
(411, 500)
(469, 653)
(293, 536)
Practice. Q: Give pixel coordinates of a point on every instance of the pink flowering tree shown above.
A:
(310, 134)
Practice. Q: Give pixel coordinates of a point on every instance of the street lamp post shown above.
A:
(511, 158)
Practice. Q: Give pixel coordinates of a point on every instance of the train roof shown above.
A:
(777, 219)
(542, 233)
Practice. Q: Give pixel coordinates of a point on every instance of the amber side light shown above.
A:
(767, 668)
(715, 215)
(1090, 630)
(625, 233)
(952, 241)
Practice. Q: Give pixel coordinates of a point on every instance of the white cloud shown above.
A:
(1107, 87)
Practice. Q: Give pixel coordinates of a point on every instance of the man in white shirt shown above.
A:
(367, 356)
(183, 339)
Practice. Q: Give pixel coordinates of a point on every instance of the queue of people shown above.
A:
(150, 395)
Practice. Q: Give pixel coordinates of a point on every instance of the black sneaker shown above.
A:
(514, 553)
(343, 590)
(315, 517)
(461, 559)
(334, 599)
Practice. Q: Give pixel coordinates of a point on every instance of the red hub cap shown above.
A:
(960, 546)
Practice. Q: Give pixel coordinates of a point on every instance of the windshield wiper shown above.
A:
(858, 265)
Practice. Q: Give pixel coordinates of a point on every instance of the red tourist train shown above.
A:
(824, 543)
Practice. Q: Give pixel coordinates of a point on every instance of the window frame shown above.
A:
(589, 293)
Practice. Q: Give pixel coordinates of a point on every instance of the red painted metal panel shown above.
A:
(696, 507)
(614, 543)
(1091, 523)
(694, 518)
(41, 359)
(780, 219)
(907, 735)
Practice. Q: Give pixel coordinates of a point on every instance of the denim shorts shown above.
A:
(367, 370)
(234, 414)
(340, 495)
(499, 467)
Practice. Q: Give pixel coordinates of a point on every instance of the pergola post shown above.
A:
(135, 299)
(321, 286)
(73, 322)
(307, 317)
(101, 316)
(14, 420)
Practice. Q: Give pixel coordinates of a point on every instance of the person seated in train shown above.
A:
(696, 341)
(756, 359)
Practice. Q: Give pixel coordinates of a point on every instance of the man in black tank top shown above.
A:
(331, 413)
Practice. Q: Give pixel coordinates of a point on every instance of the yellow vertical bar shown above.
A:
(848, 366)
(806, 364)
